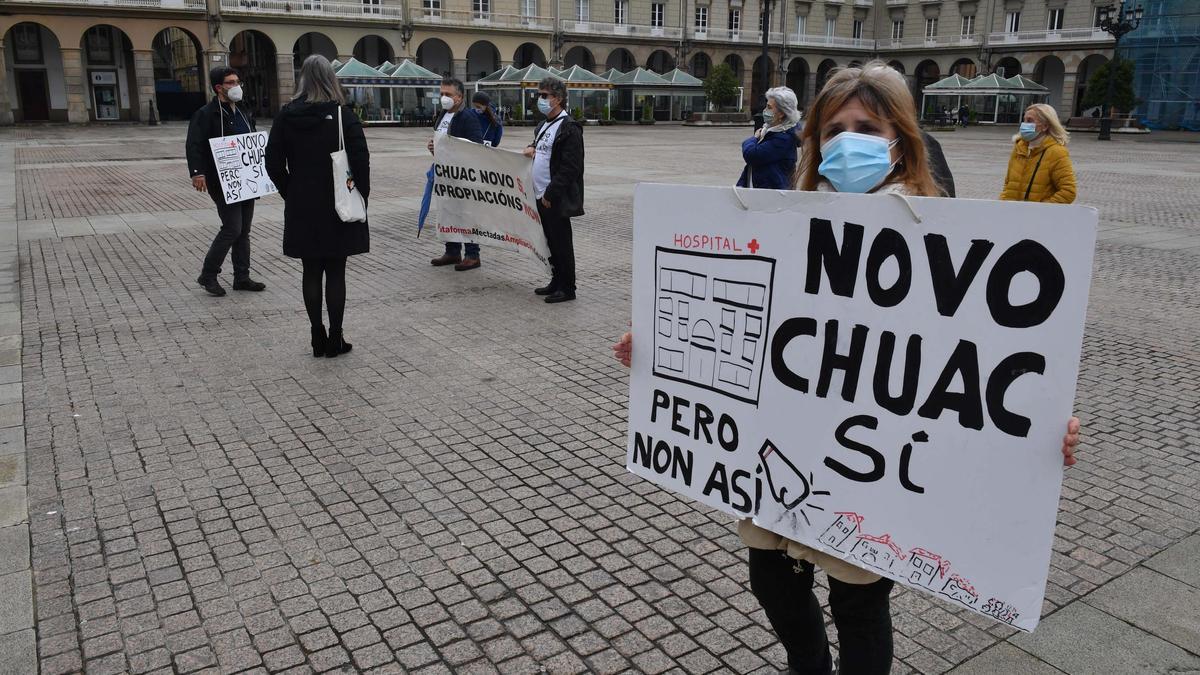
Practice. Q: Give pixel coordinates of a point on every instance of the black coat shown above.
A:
(207, 123)
(937, 164)
(565, 192)
(464, 125)
(302, 138)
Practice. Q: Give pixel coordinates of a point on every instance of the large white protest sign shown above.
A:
(485, 195)
(886, 381)
(240, 166)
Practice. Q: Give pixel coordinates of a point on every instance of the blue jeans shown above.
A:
(455, 248)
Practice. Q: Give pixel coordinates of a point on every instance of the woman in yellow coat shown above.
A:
(1040, 168)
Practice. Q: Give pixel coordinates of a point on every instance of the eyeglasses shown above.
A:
(232, 84)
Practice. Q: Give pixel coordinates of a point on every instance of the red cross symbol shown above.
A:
(753, 246)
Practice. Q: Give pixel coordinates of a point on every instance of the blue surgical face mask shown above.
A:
(544, 106)
(856, 162)
(1029, 131)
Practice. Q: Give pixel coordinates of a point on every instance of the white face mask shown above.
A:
(447, 103)
(234, 93)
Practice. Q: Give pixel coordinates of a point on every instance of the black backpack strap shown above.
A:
(1035, 170)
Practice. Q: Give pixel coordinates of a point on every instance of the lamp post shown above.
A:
(1116, 23)
(406, 36)
(765, 70)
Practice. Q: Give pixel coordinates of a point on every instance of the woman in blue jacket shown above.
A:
(489, 122)
(770, 153)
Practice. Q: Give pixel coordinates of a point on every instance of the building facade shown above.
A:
(79, 61)
(1165, 51)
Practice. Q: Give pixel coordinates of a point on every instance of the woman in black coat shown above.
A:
(304, 134)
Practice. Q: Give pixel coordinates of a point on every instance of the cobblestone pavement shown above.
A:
(205, 496)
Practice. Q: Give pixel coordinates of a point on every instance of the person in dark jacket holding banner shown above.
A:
(557, 153)
(459, 120)
(302, 138)
(223, 116)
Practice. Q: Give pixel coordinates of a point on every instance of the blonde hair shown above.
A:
(884, 93)
(1049, 116)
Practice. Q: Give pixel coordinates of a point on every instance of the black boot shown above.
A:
(336, 345)
(319, 340)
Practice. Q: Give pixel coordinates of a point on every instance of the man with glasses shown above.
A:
(557, 152)
(222, 117)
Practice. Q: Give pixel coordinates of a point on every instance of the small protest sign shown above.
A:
(886, 380)
(485, 195)
(240, 166)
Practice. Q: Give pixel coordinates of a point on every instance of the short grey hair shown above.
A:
(318, 83)
(785, 102)
(556, 87)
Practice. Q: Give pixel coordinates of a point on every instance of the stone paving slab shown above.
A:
(1005, 658)
(1083, 639)
(18, 653)
(14, 548)
(16, 610)
(1158, 604)
(1181, 561)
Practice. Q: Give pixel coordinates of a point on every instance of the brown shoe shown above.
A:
(445, 259)
(467, 264)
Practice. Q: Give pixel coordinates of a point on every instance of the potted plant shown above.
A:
(647, 113)
(577, 114)
(605, 116)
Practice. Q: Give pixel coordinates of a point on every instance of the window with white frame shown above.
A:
(582, 10)
(528, 7)
(372, 7)
(1012, 22)
(856, 31)
(701, 22)
(657, 14)
(735, 20)
(830, 26)
(931, 28)
(432, 7)
(898, 30)
(621, 12)
(481, 8)
(968, 25)
(801, 25)
(1054, 19)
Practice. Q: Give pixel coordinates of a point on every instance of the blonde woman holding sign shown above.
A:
(861, 136)
(1040, 167)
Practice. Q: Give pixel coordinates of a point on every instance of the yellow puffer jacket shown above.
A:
(1054, 181)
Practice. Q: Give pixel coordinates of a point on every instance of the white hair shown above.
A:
(786, 103)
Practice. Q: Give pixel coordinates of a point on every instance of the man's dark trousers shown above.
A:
(235, 235)
(562, 248)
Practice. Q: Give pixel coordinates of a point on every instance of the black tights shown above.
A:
(334, 271)
(861, 613)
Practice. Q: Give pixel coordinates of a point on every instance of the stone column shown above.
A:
(212, 59)
(143, 73)
(6, 113)
(459, 68)
(77, 90)
(287, 79)
(1066, 103)
(810, 87)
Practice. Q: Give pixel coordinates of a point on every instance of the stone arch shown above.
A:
(529, 54)
(1009, 66)
(700, 65)
(107, 52)
(758, 86)
(797, 79)
(1050, 72)
(1087, 68)
(312, 43)
(180, 78)
(735, 62)
(435, 55)
(38, 82)
(373, 50)
(823, 71)
(854, 64)
(621, 59)
(483, 59)
(926, 73)
(897, 66)
(660, 61)
(964, 68)
(579, 56)
(253, 54)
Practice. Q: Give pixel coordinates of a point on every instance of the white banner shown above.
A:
(485, 195)
(887, 382)
(240, 166)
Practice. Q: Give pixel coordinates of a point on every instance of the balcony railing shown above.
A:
(935, 42)
(317, 8)
(634, 29)
(455, 17)
(194, 5)
(830, 41)
(747, 36)
(1031, 37)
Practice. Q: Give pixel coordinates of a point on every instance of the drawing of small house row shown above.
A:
(712, 313)
(958, 588)
(878, 552)
(839, 532)
(925, 567)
